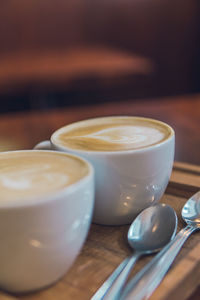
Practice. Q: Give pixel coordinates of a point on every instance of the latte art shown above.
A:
(35, 174)
(111, 134)
(26, 179)
(118, 135)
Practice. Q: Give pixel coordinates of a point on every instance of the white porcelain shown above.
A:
(40, 238)
(127, 181)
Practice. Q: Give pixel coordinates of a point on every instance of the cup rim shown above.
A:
(54, 195)
(115, 152)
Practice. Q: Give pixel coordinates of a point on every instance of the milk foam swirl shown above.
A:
(33, 178)
(111, 137)
(119, 135)
(32, 174)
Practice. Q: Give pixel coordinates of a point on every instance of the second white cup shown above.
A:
(132, 158)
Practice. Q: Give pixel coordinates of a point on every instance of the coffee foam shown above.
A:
(35, 174)
(111, 134)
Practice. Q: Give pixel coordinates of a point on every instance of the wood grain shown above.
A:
(180, 282)
(185, 179)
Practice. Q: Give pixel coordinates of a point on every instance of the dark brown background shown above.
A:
(123, 49)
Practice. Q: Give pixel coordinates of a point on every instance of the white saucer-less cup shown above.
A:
(41, 237)
(126, 181)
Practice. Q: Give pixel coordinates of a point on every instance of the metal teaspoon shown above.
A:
(147, 280)
(153, 228)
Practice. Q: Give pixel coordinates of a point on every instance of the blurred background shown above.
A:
(66, 60)
(56, 53)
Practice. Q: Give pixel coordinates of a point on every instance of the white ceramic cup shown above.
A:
(42, 236)
(126, 181)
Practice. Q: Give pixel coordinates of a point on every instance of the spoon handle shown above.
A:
(116, 280)
(147, 280)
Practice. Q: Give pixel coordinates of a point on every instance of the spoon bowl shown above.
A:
(153, 228)
(191, 211)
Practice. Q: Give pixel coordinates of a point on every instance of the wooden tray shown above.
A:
(106, 247)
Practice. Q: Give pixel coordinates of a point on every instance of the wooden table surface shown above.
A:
(23, 130)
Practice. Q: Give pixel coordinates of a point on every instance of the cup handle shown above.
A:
(44, 145)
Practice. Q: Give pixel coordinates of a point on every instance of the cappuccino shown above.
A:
(46, 206)
(27, 174)
(112, 134)
(132, 158)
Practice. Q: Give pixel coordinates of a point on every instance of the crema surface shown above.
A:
(32, 174)
(111, 134)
